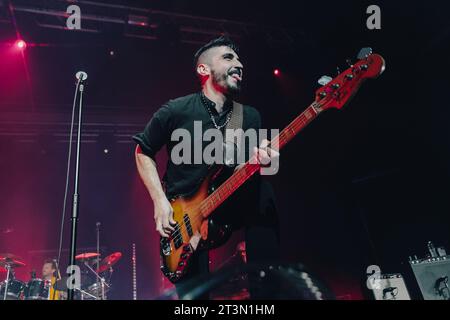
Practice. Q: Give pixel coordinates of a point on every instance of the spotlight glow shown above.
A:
(21, 44)
(276, 72)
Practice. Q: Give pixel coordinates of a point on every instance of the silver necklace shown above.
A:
(212, 116)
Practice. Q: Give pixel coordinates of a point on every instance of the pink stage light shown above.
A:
(21, 44)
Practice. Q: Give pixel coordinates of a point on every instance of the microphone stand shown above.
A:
(75, 207)
(58, 278)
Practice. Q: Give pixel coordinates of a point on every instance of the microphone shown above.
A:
(57, 272)
(81, 75)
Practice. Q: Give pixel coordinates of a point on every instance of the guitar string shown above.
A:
(241, 178)
(180, 232)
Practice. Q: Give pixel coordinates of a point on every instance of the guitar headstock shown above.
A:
(337, 92)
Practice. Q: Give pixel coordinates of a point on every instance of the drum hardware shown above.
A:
(61, 284)
(89, 259)
(80, 293)
(40, 289)
(8, 274)
(99, 278)
(37, 289)
(13, 290)
(85, 293)
(98, 289)
(10, 256)
(106, 265)
(87, 256)
(109, 261)
(9, 262)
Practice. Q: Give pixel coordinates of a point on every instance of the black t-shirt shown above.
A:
(181, 113)
(252, 204)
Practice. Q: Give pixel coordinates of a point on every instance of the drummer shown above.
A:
(50, 276)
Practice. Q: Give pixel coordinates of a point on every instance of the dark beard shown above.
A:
(220, 80)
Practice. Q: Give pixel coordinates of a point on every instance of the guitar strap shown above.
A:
(233, 134)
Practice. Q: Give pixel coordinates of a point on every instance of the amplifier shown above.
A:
(432, 276)
(391, 287)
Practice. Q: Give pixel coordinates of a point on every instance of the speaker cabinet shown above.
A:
(432, 276)
(391, 287)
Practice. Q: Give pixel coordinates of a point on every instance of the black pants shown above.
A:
(258, 216)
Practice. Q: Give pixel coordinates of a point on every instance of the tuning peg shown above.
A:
(364, 53)
(324, 80)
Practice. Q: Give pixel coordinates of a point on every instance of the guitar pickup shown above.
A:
(177, 237)
(187, 223)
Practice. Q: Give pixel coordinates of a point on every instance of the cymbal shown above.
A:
(9, 256)
(12, 263)
(86, 256)
(109, 261)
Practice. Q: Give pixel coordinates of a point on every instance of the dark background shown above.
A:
(365, 185)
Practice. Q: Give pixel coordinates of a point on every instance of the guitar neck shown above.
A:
(226, 189)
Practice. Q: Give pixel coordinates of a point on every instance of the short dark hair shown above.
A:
(222, 41)
(52, 262)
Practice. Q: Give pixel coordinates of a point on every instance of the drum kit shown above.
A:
(11, 288)
(96, 274)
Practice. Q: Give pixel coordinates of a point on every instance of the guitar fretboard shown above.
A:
(226, 189)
